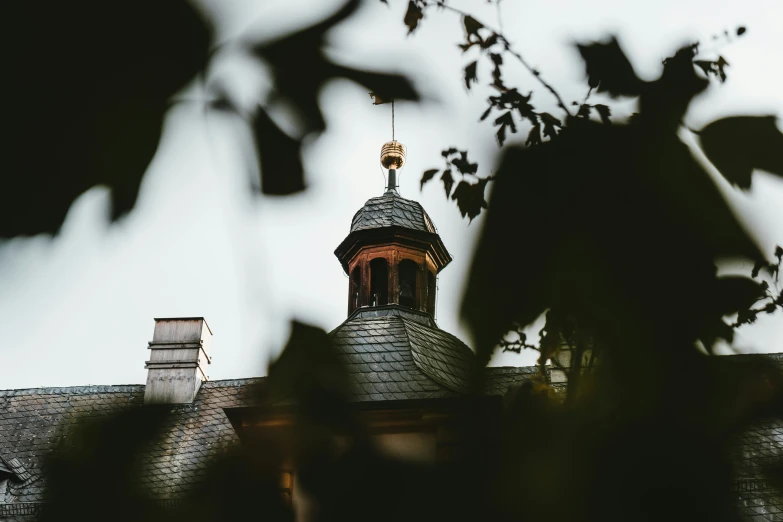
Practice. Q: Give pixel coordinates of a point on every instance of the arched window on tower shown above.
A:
(379, 282)
(355, 289)
(431, 293)
(407, 278)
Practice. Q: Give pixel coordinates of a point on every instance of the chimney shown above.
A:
(178, 360)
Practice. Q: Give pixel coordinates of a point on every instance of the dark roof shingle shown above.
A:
(392, 210)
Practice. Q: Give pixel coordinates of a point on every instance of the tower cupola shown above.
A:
(393, 252)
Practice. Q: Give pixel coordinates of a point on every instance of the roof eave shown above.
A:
(428, 241)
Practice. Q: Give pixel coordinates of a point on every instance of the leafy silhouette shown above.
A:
(503, 121)
(85, 98)
(428, 175)
(534, 136)
(470, 73)
(604, 112)
(116, 81)
(472, 27)
(448, 181)
(737, 145)
(584, 111)
(412, 16)
(768, 299)
(551, 125)
(280, 157)
(469, 193)
(497, 61)
(109, 445)
(463, 164)
(611, 200)
(300, 84)
(609, 70)
(470, 198)
(713, 67)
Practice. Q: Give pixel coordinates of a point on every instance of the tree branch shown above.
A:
(515, 54)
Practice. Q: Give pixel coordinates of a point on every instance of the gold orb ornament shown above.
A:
(393, 155)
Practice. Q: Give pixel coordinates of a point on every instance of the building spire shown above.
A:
(392, 152)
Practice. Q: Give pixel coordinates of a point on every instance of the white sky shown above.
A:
(78, 309)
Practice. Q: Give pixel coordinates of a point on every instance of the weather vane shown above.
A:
(392, 152)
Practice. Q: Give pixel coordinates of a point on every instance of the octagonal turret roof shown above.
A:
(390, 210)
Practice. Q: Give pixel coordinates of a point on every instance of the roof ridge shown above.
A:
(116, 388)
(413, 348)
(74, 390)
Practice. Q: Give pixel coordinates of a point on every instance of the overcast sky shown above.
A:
(78, 309)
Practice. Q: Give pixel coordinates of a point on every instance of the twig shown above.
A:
(587, 96)
(515, 54)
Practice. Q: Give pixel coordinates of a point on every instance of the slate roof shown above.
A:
(385, 352)
(389, 210)
(400, 354)
(391, 353)
(756, 448)
(32, 423)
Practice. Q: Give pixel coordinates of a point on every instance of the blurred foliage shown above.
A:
(86, 87)
(89, 84)
(612, 229)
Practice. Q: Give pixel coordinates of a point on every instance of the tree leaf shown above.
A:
(706, 66)
(497, 61)
(470, 73)
(720, 65)
(486, 113)
(501, 135)
(534, 136)
(665, 101)
(300, 69)
(489, 42)
(470, 198)
(551, 124)
(301, 82)
(84, 102)
(504, 120)
(757, 268)
(448, 181)
(584, 111)
(280, 161)
(739, 144)
(604, 112)
(428, 175)
(736, 293)
(412, 16)
(467, 45)
(308, 367)
(472, 26)
(463, 165)
(609, 70)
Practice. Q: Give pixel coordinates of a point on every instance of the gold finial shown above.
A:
(393, 155)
